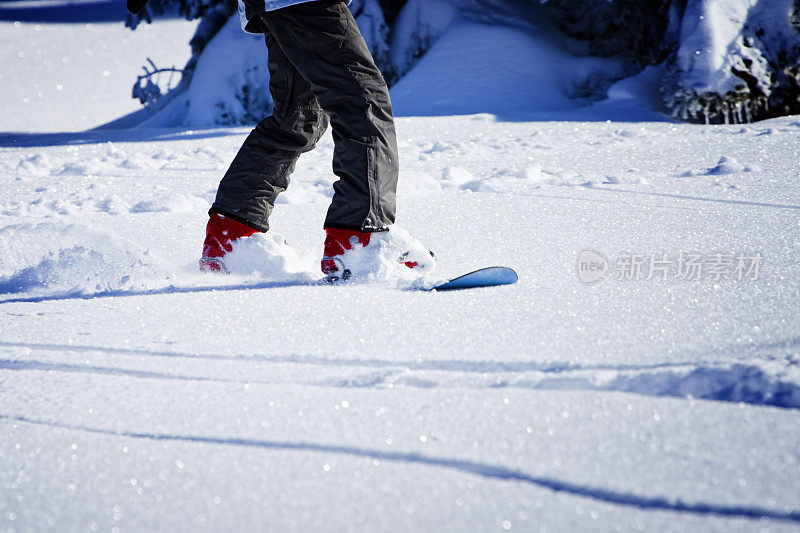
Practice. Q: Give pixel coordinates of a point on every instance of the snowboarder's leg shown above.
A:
(323, 42)
(261, 169)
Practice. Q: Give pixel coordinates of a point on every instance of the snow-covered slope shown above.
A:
(454, 77)
(174, 400)
(138, 394)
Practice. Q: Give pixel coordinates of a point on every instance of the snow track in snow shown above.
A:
(485, 470)
(773, 383)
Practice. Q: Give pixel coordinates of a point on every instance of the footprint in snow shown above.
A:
(171, 204)
(729, 165)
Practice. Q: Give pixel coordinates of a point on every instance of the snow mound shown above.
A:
(726, 165)
(175, 203)
(470, 70)
(36, 164)
(530, 172)
(416, 183)
(113, 205)
(55, 259)
(268, 255)
(756, 383)
(635, 98)
(457, 176)
(93, 166)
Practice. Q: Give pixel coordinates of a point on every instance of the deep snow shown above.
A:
(138, 394)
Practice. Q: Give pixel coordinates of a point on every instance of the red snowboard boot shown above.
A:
(221, 231)
(394, 244)
(337, 242)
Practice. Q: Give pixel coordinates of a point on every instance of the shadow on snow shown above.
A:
(485, 470)
(66, 11)
(731, 382)
(98, 136)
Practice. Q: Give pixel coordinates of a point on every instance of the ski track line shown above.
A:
(725, 382)
(647, 503)
(747, 203)
(444, 365)
(171, 289)
(460, 365)
(703, 200)
(20, 365)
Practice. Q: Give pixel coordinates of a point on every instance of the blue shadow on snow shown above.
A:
(104, 11)
(67, 11)
(485, 470)
(36, 140)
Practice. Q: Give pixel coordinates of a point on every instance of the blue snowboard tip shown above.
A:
(484, 277)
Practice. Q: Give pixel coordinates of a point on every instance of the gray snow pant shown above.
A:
(319, 67)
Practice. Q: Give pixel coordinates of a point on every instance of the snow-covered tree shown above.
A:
(727, 61)
(731, 60)
(736, 61)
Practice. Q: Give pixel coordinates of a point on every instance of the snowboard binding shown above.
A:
(334, 270)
